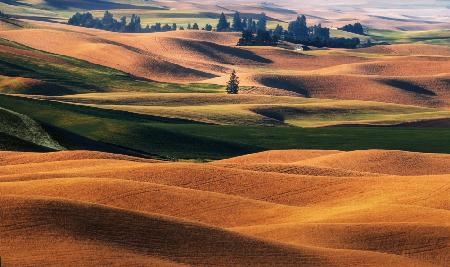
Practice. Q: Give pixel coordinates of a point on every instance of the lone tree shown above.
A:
(233, 83)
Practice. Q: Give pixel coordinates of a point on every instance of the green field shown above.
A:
(242, 109)
(438, 37)
(177, 139)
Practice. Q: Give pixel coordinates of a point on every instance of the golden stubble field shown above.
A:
(410, 74)
(274, 208)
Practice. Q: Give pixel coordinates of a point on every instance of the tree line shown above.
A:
(255, 33)
(353, 28)
(240, 24)
(109, 23)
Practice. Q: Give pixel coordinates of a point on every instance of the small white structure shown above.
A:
(302, 48)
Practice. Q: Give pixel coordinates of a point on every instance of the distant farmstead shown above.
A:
(302, 48)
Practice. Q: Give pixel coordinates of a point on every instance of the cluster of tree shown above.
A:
(109, 23)
(354, 28)
(240, 24)
(298, 32)
(262, 37)
(208, 27)
(349, 43)
(254, 32)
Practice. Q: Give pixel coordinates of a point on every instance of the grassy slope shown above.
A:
(438, 37)
(200, 141)
(141, 133)
(19, 131)
(340, 138)
(343, 34)
(12, 143)
(261, 110)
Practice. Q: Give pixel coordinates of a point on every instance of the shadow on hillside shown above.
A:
(286, 84)
(408, 86)
(221, 52)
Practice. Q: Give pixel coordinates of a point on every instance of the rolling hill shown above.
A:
(123, 149)
(190, 213)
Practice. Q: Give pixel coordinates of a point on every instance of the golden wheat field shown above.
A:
(274, 208)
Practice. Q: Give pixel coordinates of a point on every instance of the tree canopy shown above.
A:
(109, 23)
(355, 28)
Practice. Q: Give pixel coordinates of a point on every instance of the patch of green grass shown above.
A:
(318, 114)
(245, 109)
(441, 37)
(140, 133)
(350, 112)
(436, 140)
(182, 140)
(335, 33)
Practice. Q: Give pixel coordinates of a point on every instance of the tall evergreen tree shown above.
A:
(262, 22)
(237, 22)
(195, 26)
(233, 83)
(223, 24)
